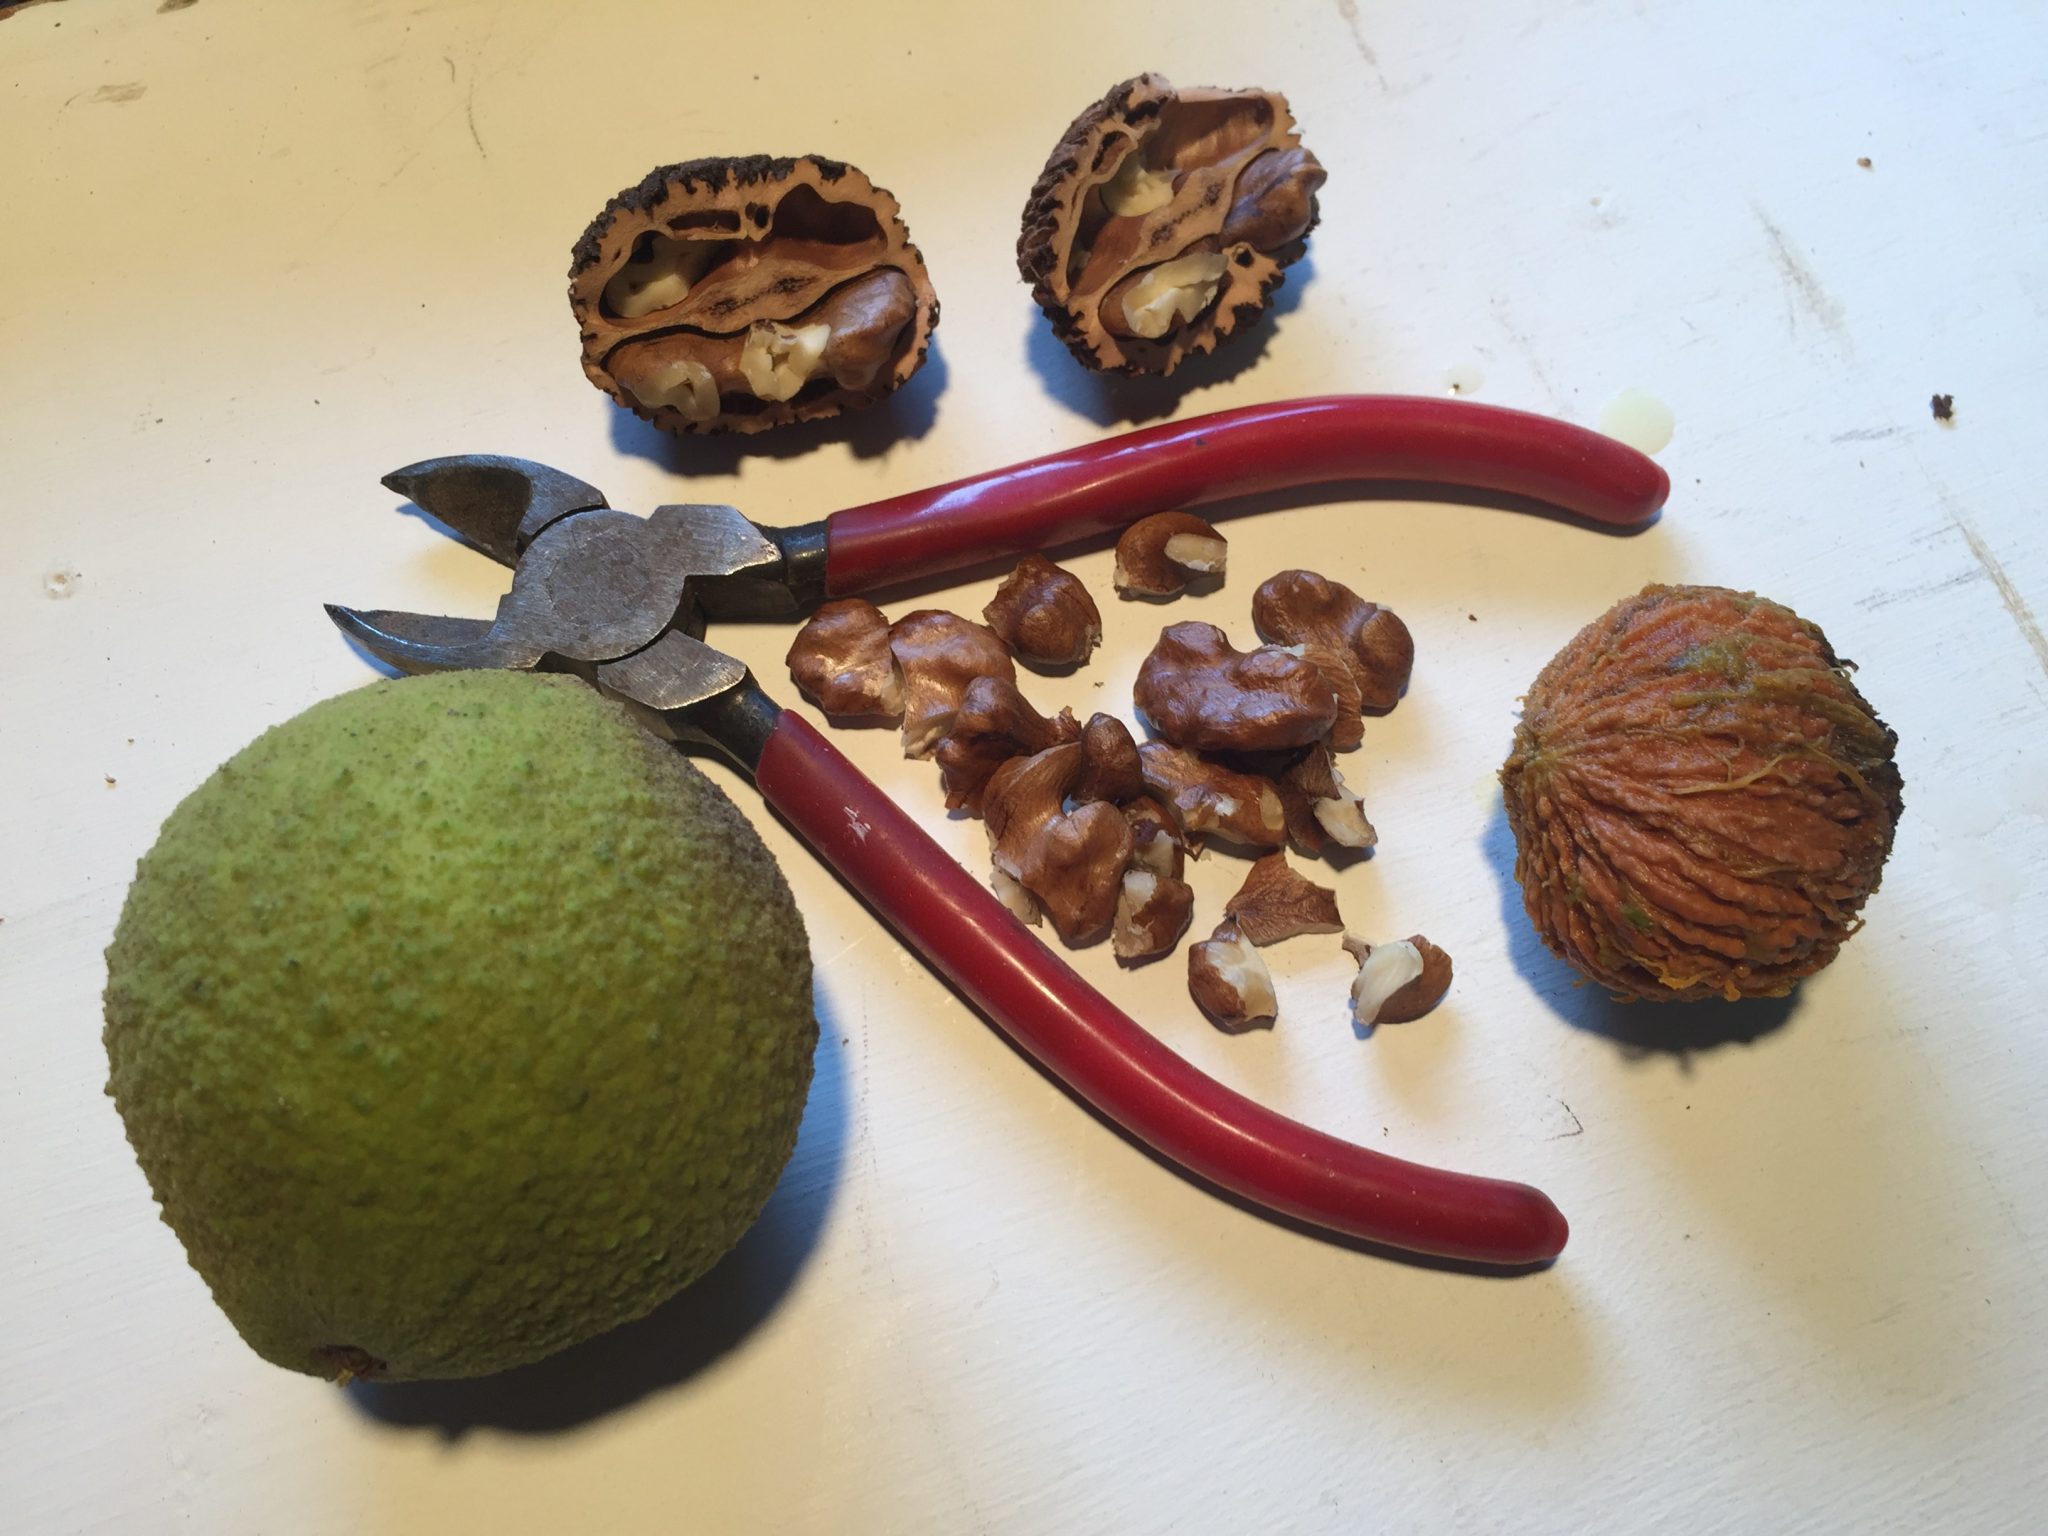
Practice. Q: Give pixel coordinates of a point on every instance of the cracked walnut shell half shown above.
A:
(738, 294)
(1163, 220)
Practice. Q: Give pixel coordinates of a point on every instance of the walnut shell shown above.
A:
(739, 294)
(1701, 800)
(1163, 219)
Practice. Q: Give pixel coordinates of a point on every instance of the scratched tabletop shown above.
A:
(252, 256)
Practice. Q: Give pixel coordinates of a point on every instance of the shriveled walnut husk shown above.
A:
(1701, 799)
(738, 294)
(1163, 220)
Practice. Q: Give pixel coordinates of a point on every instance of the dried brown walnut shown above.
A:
(1701, 799)
(737, 294)
(1163, 220)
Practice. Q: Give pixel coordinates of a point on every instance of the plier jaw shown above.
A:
(618, 599)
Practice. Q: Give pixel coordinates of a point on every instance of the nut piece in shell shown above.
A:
(993, 724)
(1199, 691)
(1071, 863)
(1163, 220)
(1158, 556)
(1212, 801)
(1700, 797)
(1399, 982)
(739, 294)
(1228, 979)
(841, 661)
(940, 655)
(1045, 615)
(1276, 902)
(1302, 608)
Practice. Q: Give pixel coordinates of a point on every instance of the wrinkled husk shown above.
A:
(1701, 799)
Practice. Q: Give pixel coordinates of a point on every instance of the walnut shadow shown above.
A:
(904, 416)
(1108, 399)
(682, 1338)
(1821, 1224)
(1638, 1028)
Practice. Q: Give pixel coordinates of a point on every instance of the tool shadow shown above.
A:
(683, 1337)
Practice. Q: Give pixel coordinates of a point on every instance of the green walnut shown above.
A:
(453, 1022)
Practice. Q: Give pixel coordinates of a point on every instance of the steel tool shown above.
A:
(622, 600)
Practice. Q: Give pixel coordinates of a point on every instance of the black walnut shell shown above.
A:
(1153, 183)
(699, 294)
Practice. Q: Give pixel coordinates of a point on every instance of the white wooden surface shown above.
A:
(251, 256)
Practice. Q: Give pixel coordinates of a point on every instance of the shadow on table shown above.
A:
(1108, 399)
(1638, 1028)
(679, 1339)
(904, 416)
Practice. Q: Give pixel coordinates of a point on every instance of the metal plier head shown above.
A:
(616, 598)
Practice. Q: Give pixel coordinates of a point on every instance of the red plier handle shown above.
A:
(1029, 992)
(1077, 494)
(1101, 1053)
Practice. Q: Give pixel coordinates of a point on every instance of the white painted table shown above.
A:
(254, 255)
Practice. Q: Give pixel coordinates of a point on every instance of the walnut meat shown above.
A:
(1200, 691)
(734, 295)
(1701, 799)
(1163, 221)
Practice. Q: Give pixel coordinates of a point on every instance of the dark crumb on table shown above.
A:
(1864, 161)
(1944, 407)
(1473, 617)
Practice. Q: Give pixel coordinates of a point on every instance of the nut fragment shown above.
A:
(1163, 220)
(1200, 691)
(1275, 902)
(940, 655)
(1229, 981)
(1152, 912)
(1158, 556)
(1302, 608)
(1155, 301)
(1397, 982)
(733, 295)
(1045, 615)
(993, 724)
(1348, 729)
(1110, 767)
(1211, 800)
(842, 662)
(1319, 807)
(1072, 863)
(1155, 838)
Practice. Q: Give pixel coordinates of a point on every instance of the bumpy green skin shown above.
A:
(455, 1021)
